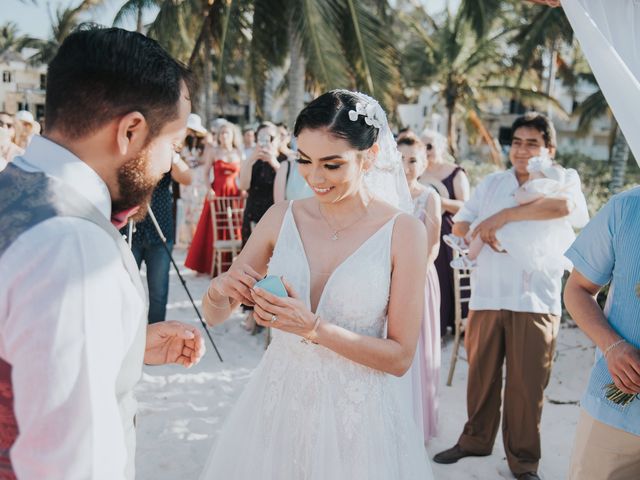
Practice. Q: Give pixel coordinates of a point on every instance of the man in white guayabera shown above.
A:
(514, 310)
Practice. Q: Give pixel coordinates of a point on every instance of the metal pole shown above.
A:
(184, 284)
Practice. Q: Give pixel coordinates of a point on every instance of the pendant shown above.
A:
(334, 237)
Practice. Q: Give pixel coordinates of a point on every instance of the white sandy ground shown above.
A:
(182, 411)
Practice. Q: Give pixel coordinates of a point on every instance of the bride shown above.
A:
(324, 402)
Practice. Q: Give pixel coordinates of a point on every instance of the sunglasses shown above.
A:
(429, 146)
(6, 124)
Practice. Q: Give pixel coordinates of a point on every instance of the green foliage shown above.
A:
(477, 171)
(10, 38)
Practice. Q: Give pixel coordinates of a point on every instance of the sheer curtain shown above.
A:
(609, 34)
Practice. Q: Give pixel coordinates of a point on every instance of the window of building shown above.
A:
(43, 81)
(516, 107)
(6, 76)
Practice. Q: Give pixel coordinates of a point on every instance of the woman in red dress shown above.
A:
(225, 160)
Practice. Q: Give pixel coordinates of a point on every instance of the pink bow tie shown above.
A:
(120, 219)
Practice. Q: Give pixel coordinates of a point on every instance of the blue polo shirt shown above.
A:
(608, 250)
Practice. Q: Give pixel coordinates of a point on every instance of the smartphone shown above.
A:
(264, 139)
(272, 284)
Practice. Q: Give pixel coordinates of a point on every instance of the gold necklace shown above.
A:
(335, 232)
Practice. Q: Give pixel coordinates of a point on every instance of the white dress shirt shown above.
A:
(498, 282)
(69, 312)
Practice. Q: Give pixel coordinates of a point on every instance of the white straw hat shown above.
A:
(194, 122)
(25, 116)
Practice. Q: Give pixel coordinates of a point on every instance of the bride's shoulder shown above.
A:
(409, 235)
(272, 220)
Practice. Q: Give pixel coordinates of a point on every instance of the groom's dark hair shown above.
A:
(102, 73)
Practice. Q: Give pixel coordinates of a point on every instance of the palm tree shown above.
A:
(593, 107)
(64, 22)
(330, 44)
(542, 32)
(322, 44)
(547, 33)
(10, 38)
(467, 70)
(134, 9)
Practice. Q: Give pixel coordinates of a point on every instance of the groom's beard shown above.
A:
(136, 186)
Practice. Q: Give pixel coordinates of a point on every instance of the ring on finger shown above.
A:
(274, 318)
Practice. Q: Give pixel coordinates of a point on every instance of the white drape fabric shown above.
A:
(609, 34)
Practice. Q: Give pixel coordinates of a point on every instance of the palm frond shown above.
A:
(268, 45)
(374, 59)
(315, 25)
(131, 8)
(538, 100)
(480, 14)
(592, 107)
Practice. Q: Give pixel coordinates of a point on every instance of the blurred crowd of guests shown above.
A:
(255, 164)
(16, 131)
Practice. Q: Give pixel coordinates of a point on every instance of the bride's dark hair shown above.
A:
(331, 111)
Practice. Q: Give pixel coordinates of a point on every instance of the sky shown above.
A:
(34, 20)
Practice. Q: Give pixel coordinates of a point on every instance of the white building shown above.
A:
(429, 112)
(22, 86)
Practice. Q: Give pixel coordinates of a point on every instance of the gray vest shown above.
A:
(26, 199)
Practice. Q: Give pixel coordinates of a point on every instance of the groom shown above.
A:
(73, 329)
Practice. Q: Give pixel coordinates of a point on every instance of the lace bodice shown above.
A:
(356, 294)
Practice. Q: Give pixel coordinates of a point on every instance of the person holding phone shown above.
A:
(257, 176)
(325, 401)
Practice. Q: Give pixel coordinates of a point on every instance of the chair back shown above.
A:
(226, 215)
(461, 292)
(461, 295)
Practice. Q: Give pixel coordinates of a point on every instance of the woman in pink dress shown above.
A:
(426, 367)
(224, 160)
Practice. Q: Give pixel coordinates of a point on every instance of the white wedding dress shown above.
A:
(310, 414)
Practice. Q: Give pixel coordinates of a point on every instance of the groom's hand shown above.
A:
(173, 342)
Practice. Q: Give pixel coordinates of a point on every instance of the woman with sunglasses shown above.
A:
(452, 183)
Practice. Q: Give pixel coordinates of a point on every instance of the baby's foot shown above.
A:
(457, 244)
(463, 263)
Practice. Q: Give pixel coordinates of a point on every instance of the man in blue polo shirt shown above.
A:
(607, 441)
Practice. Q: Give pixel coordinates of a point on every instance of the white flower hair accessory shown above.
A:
(368, 111)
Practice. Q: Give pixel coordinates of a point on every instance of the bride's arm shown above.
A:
(393, 354)
(228, 290)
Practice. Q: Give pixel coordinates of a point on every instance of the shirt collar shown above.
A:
(47, 156)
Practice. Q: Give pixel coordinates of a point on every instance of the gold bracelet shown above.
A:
(312, 333)
(612, 346)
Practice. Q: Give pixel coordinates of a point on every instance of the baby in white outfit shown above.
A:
(533, 243)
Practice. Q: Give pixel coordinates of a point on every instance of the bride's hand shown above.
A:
(236, 283)
(291, 313)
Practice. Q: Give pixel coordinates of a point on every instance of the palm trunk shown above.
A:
(451, 133)
(207, 79)
(295, 76)
(552, 76)
(619, 159)
(139, 25)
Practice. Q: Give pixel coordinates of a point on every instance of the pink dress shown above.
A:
(426, 365)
